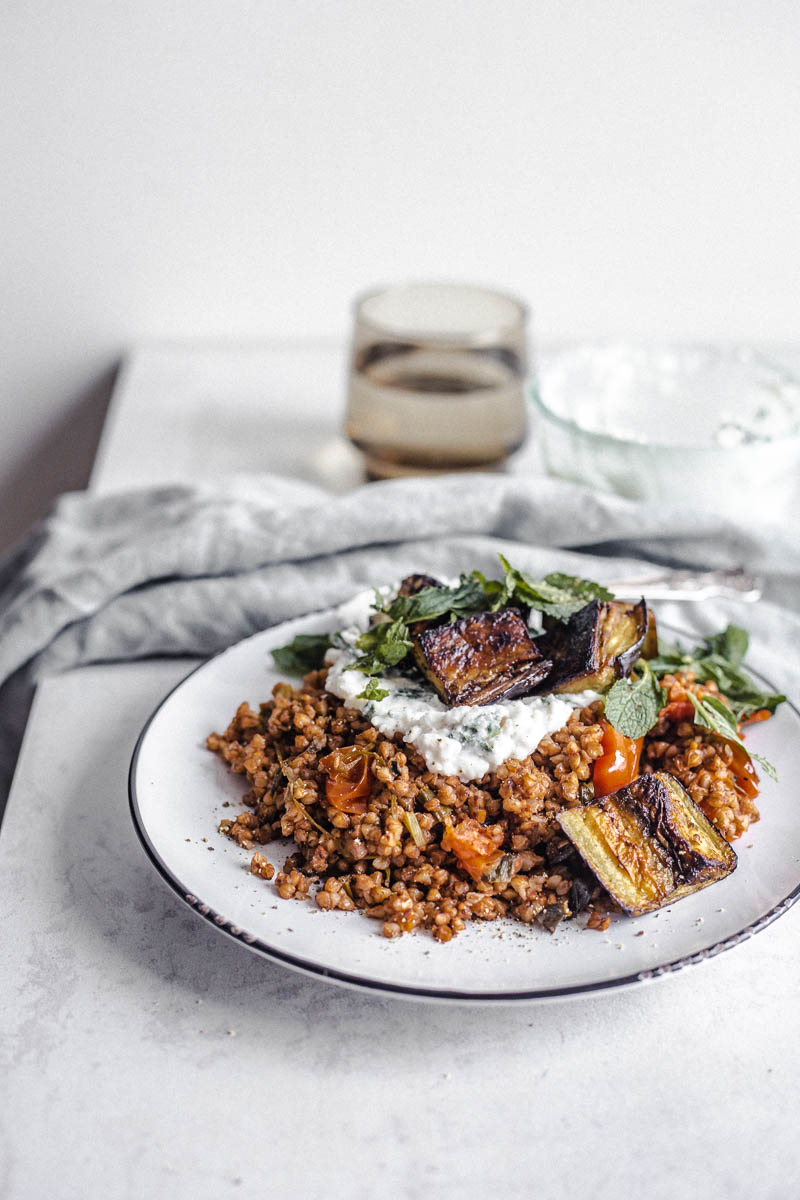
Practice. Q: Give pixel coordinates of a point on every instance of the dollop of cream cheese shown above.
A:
(466, 741)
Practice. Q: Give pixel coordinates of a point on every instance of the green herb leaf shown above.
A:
(718, 659)
(306, 652)
(738, 687)
(557, 595)
(383, 646)
(670, 660)
(494, 591)
(632, 705)
(521, 588)
(373, 691)
(731, 644)
(432, 602)
(765, 763)
(713, 714)
(586, 589)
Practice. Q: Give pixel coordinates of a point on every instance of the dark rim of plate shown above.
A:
(364, 982)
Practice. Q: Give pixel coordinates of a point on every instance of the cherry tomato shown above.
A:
(476, 846)
(743, 769)
(349, 781)
(762, 714)
(618, 765)
(678, 710)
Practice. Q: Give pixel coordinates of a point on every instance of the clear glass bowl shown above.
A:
(692, 425)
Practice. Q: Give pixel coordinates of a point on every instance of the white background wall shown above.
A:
(240, 168)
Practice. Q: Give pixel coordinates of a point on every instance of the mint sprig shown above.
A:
(385, 645)
(429, 603)
(719, 658)
(306, 652)
(373, 691)
(558, 596)
(632, 705)
(731, 645)
(712, 713)
(583, 589)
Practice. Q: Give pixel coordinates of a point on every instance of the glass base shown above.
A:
(381, 468)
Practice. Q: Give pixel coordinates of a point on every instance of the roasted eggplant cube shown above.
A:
(480, 659)
(648, 844)
(416, 583)
(596, 646)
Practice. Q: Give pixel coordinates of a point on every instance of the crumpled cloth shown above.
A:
(190, 570)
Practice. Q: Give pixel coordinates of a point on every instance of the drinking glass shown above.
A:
(437, 379)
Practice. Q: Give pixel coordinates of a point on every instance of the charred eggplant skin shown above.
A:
(415, 583)
(625, 659)
(648, 844)
(650, 644)
(598, 645)
(480, 659)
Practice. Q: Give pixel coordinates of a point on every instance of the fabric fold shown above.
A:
(187, 571)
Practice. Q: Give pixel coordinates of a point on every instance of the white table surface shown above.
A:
(144, 1054)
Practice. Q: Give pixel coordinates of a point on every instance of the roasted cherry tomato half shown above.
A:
(742, 767)
(761, 714)
(476, 846)
(678, 710)
(349, 779)
(618, 765)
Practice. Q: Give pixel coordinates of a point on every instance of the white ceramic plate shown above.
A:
(178, 792)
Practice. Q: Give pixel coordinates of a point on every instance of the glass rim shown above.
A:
(612, 439)
(601, 438)
(489, 333)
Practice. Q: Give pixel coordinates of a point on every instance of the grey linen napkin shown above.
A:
(188, 571)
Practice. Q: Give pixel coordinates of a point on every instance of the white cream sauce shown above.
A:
(465, 741)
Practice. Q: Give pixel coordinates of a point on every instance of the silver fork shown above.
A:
(734, 583)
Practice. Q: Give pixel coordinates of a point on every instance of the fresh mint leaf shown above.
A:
(521, 588)
(558, 596)
(765, 763)
(512, 579)
(493, 590)
(385, 645)
(730, 645)
(548, 599)
(669, 660)
(305, 652)
(632, 705)
(586, 589)
(713, 714)
(737, 686)
(718, 659)
(373, 691)
(432, 602)
(663, 665)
